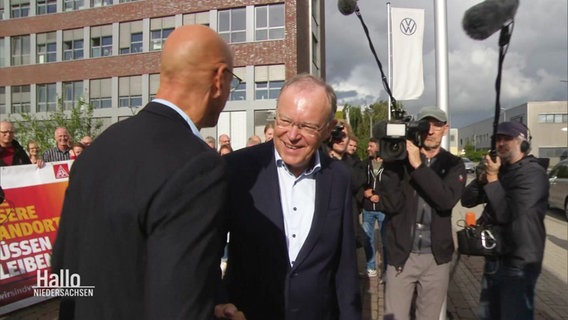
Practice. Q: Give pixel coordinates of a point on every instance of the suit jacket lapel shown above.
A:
(267, 189)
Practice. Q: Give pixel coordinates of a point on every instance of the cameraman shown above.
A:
(514, 187)
(418, 195)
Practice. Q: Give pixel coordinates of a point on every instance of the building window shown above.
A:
(269, 22)
(130, 92)
(21, 101)
(154, 85)
(160, 29)
(101, 46)
(46, 97)
(267, 89)
(20, 50)
(19, 8)
(46, 6)
(72, 44)
(2, 100)
(232, 25)
(240, 92)
(2, 54)
(196, 18)
(72, 5)
(46, 47)
(101, 41)
(130, 37)
(553, 118)
(1, 10)
(125, 1)
(100, 94)
(268, 80)
(100, 3)
(72, 93)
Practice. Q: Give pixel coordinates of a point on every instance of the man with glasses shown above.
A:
(418, 194)
(292, 250)
(11, 152)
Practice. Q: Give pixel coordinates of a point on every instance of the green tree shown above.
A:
(78, 120)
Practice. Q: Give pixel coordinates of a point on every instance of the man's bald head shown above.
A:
(193, 73)
(193, 47)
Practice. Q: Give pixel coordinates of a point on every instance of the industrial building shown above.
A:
(106, 52)
(547, 122)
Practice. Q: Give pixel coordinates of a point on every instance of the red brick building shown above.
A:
(107, 52)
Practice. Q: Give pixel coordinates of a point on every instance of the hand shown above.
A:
(368, 193)
(491, 168)
(228, 311)
(374, 198)
(413, 154)
(40, 163)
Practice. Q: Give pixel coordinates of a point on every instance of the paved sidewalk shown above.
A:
(463, 294)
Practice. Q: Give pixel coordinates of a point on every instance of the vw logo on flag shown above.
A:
(408, 26)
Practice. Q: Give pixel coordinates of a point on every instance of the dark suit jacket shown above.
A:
(142, 221)
(323, 284)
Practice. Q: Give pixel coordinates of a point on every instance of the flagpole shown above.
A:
(442, 75)
(389, 50)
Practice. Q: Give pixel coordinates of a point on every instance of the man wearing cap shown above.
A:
(514, 188)
(418, 195)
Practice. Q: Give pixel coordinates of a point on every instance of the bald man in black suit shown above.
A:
(141, 220)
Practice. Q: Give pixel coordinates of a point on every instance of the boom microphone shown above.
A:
(488, 17)
(347, 7)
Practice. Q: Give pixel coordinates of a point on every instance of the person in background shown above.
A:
(224, 139)
(268, 131)
(292, 250)
(211, 142)
(224, 149)
(147, 231)
(418, 194)
(33, 152)
(372, 168)
(11, 152)
(62, 150)
(352, 149)
(86, 141)
(253, 140)
(513, 188)
(76, 150)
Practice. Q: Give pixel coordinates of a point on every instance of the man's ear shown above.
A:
(218, 82)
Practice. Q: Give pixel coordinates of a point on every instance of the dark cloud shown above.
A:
(534, 68)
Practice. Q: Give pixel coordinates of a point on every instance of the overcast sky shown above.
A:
(535, 67)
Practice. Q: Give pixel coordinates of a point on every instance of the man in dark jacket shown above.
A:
(515, 190)
(11, 152)
(418, 194)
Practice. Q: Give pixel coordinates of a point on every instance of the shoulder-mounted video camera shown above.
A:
(337, 134)
(392, 135)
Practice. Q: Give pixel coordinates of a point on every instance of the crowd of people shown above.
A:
(285, 216)
(13, 153)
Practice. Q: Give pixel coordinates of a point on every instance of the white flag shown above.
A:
(407, 27)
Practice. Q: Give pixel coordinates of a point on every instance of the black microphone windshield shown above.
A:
(488, 17)
(347, 7)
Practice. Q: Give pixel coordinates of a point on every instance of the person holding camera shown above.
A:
(418, 194)
(514, 187)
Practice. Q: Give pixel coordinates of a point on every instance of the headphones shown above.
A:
(526, 144)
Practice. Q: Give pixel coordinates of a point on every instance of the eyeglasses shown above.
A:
(304, 128)
(235, 82)
(7, 132)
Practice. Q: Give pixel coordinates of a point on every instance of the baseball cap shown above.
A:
(432, 112)
(512, 129)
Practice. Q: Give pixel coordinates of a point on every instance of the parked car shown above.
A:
(558, 192)
(469, 165)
